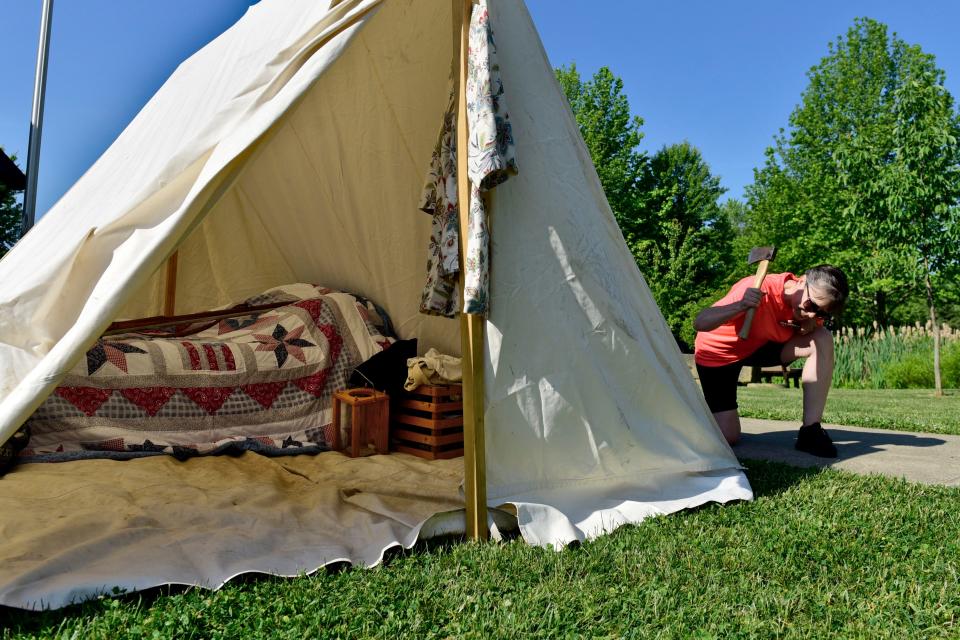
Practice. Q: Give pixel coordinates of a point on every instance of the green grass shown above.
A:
(894, 358)
(899, 409)
(817, 554)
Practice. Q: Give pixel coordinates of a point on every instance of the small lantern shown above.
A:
(361, 419)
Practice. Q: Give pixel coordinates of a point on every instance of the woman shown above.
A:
(787, 324)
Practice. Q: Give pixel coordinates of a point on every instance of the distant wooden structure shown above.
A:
(10, 175)
(761, 374)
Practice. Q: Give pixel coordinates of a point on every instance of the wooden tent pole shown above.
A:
(471, 326)
(170, 286)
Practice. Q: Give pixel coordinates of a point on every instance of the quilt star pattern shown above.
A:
(265, 380)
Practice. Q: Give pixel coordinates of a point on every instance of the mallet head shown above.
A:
(761, 253)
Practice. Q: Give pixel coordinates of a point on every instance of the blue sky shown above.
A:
(724, 76)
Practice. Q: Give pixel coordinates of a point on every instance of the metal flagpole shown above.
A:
(36, 118)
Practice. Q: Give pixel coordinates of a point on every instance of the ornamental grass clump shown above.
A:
(894, 357)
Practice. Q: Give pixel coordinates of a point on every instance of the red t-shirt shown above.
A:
(723, 346)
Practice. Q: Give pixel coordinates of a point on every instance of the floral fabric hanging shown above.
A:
(491, 154)
(491, 159)
(439, 198)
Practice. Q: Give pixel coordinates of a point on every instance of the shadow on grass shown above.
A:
(770, 479)
(19, 621)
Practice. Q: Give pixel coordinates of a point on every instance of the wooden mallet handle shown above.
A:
(748, 319)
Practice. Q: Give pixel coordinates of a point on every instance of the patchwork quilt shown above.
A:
(260, 380)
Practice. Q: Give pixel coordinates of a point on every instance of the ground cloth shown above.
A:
(73, 530)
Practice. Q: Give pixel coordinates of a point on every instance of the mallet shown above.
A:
(763, 256)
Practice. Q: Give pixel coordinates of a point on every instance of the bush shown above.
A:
(894, 358)
(916, 371)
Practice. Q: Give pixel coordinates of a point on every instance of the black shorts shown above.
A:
(719, 384)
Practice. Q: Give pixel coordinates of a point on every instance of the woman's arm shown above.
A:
(712, 317)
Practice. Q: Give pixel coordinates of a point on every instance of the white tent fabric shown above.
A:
(292, 149)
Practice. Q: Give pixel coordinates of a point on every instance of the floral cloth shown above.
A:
(491, 159)
(439, 198)
(491, 155)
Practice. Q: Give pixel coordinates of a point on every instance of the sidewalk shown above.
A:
(928, 458)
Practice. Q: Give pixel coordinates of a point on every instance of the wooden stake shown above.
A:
(471, 326)
(170, 286)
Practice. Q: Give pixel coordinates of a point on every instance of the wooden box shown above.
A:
(361, 422)
(428, 422)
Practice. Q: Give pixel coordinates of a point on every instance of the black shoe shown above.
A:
(814, 440)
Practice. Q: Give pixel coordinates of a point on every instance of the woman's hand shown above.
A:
(751, 298)
(712, 317)
(802, 327)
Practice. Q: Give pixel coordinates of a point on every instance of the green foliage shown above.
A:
(905, 192)
(916, 371)
(910, 196)
(912, 373)
(863, 358)
(892, 358)
(683, 242)
(871, 133)
(681, 321)
(666, 206)
(611, 135)
(818, 553)
(11, 218)
(738, 217)
(947, 286)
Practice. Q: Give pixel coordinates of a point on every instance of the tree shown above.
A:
(911, 194)
(612, 135)
(683, 243)
(801, 198)
(666, 206)
(11, 218)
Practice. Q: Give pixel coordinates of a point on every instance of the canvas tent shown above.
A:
(292, 148)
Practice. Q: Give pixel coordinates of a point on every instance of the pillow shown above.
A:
(386, 371)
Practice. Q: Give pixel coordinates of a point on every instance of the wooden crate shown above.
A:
(428, 422)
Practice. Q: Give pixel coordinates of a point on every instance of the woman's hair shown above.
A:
(832, 282)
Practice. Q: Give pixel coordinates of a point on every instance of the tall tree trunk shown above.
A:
(880, 301)
(937, 384)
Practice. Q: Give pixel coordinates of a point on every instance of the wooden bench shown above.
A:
(767, 374)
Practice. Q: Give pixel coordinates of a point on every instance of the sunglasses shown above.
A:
(810, 306)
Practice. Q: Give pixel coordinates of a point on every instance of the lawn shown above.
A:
(899, 409)
(817, 553)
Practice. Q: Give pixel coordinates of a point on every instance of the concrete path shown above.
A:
(928, 458)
